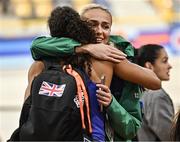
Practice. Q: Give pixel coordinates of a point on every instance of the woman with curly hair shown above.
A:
(66, 22)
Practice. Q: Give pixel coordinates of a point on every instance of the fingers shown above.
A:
(103, 87)
(114, 59)
(117, 51)
(105, 52)
(111, 59)
(104, 95)
(104, 100)
(118, 54)
(115, 55)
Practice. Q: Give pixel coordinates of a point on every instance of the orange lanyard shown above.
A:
(81, 89)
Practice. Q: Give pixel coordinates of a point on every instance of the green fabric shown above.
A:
(52, 47)
(123, 45)
(125, 110)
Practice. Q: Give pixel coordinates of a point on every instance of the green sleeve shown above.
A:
(52, 47)
(123, 45)
(123, 121)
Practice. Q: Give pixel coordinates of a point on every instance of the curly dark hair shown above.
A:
(66, 22)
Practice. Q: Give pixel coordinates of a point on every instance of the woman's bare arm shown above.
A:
(35, 69)
(137, 74)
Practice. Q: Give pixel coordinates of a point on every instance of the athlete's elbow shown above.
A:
(156, 84)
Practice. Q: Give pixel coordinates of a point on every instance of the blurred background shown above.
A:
(139, 21)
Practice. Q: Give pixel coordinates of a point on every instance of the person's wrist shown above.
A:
(82, 49)
(109, 103)
(86, 48)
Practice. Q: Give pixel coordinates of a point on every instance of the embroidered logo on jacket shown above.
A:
(50, 89)
(76, 100)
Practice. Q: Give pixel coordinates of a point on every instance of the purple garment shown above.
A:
(97, 117)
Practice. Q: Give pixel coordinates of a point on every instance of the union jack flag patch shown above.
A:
(50, 89)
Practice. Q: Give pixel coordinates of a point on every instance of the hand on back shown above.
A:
(103, 52)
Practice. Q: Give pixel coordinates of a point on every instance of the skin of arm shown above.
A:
(137, 74)
(127, 71)
(35, 69)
